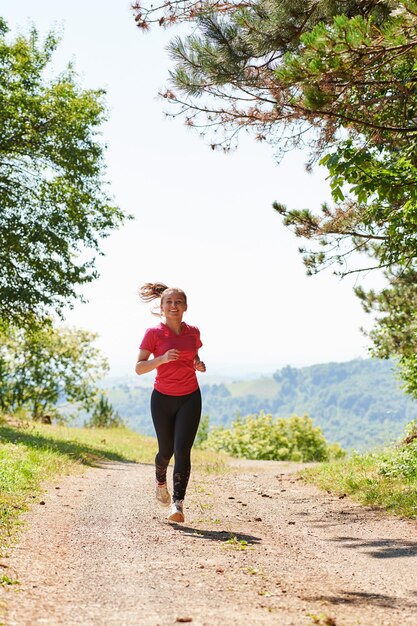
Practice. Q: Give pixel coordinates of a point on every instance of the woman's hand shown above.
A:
(171, 355)
(199, 365)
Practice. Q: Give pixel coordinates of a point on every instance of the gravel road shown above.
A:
(258, 547)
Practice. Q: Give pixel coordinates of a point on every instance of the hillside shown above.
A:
(358, 403)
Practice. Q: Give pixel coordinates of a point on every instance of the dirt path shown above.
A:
(99, 552)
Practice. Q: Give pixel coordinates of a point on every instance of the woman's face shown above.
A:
(173, 305)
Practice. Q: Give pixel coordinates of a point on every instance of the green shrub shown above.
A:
(261, 436)
(401, 460)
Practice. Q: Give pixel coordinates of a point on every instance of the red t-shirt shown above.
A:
(175, 378)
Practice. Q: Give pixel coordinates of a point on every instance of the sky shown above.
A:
(203, 220)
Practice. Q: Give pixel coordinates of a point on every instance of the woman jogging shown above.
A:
(176, 397)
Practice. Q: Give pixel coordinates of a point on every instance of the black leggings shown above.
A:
(176, 420)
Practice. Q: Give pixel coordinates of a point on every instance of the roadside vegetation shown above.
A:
(386, 478)
(51, 372)
(264, 437)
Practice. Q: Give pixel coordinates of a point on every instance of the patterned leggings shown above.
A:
(176, 420)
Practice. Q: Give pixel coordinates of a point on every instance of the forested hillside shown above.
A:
(358, 403)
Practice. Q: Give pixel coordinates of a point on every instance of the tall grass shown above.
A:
(385, 479)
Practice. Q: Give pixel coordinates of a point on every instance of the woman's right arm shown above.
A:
(144, 364)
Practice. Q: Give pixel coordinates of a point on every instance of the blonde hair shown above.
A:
(152, 291)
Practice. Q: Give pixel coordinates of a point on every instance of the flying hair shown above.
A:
(152, 291)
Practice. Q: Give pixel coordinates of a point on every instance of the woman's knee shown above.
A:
(163, 458)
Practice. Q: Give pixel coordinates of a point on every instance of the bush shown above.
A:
(260, 436)
(401, 461)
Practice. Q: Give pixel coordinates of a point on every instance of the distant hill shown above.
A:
(357, 403)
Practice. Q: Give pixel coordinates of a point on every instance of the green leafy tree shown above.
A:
(5, 382)
(360, 77)
(395, 334)
(54, 201)
(104, 415)
(45, 366)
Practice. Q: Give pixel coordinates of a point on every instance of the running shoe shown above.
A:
(176, 514)
(162, 495)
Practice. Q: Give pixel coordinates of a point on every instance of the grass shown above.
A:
(33, 454)
(385, 479)
(6, 581)
(237, 544)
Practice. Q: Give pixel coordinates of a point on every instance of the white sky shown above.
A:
(203, 220)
